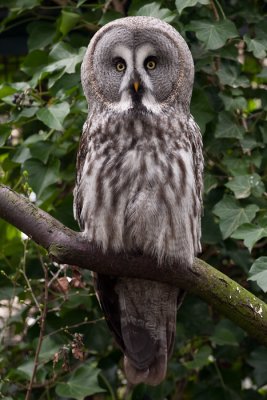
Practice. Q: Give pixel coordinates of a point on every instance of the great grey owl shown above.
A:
(139, 178)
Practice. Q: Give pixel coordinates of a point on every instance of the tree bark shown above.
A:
(69, 247)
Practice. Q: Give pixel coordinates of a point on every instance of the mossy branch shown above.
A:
(70, 247)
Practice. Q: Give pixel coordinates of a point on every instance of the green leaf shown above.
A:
(154, 10)
(41, 34)
(109, 16)
(81, 383)
(258, 360)
(258, 273)
(210, 182)
(54, 115)
(258, 47)
(214, 34)
(22, 4)
(68, 21)
(26, 113)
(230, 75)
(64, 59)
(34, 65)
(201, 108)
(201, 359)
(211, 233)
(26, 369)
(21, 155)
(40, 175)
(237, 166)
(80, 3)
(232, 103)
(245, 185)
(250, 233)
(4, 133)
(227, 127)
(182, 4)
(226, 333)
(232, 215)
(6, 90)
(41, 150)
(49, 349)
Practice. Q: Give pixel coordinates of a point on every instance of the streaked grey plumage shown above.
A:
(139, 178)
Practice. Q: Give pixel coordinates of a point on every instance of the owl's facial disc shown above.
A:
(135, 70)
(136, 67)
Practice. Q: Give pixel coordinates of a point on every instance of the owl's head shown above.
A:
(140, 64)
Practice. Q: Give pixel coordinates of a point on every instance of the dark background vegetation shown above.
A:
(54, 343)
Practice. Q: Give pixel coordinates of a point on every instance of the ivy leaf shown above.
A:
(257, 47)
(68, 21)
(228, 128)
(41, 34)
(258, 273)
(250, 233)
(154, 10)
(245, 185)
(210, 182)
(232, 215)
(40, 175)
(65, 57)
(80, 3)
(109, 16)
(26, 369)
(226, 333)
(231, 76)
(4, 134)
(258, 360)
(62, 59)
(201, 358)
(211, 233)
(182, 4)
(237, 166)
(6, 90)
(201, 108)
(232, 103)
(214, 35)
(22, 4)
(81, 383)
(54, 115)
(48, 349)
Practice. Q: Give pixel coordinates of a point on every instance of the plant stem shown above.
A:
(42, 330)
(220, 8)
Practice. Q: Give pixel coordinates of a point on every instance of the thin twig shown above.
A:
(66, 328)
(220, 8)
(23, 271)
(42, 330)
(215, 12)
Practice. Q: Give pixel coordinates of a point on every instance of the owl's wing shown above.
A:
(105, 291)
(196, 145)
(81, 157)
(198, 165)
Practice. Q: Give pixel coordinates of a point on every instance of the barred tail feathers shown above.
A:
(148, 324)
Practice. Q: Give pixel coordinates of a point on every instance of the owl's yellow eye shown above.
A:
(120, 66)
(150, 64)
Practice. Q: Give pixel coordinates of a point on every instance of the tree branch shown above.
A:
(69, 247)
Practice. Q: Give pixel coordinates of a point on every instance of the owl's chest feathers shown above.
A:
(139, 154)
(137, 184)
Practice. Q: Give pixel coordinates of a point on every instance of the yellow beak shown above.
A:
(136, 86)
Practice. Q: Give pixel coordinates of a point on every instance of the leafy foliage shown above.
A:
(42, 109)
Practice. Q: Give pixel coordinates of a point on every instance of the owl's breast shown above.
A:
(138, 192)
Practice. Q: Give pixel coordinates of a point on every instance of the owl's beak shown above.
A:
(136, 86)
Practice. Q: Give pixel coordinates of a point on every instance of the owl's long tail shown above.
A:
(148, 324)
